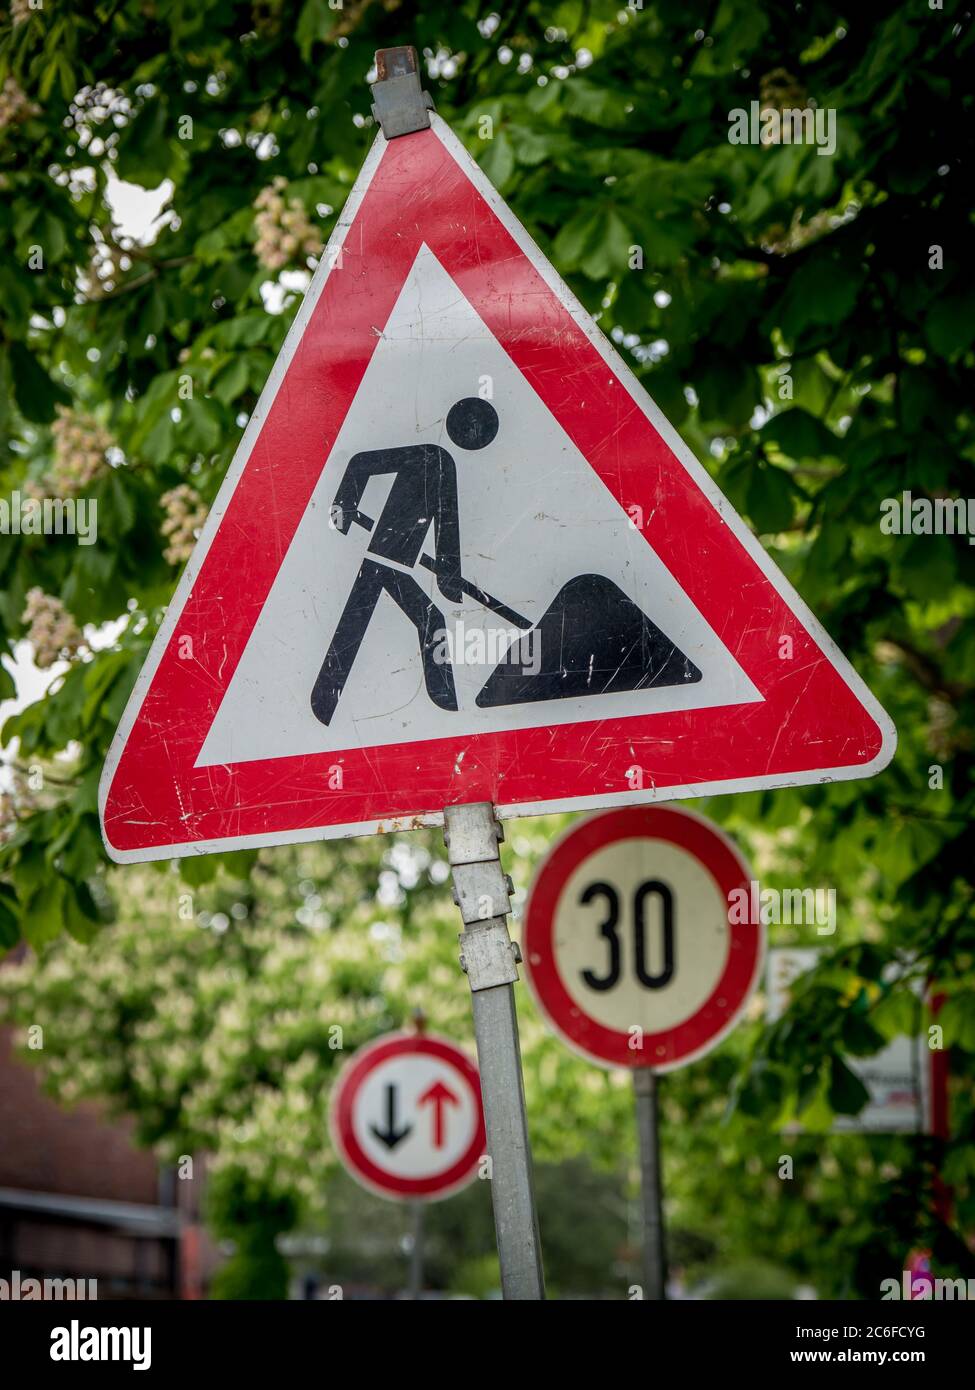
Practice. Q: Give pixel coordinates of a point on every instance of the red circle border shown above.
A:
(712, 1021)
(358, 1162)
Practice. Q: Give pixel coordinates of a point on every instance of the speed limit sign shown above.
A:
(630, 947)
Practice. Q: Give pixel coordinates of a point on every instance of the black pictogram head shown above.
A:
(472, 423)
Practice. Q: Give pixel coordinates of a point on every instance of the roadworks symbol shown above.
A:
(591, 640)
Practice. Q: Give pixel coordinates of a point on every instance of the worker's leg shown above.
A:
(430, 626)
(359, 608)
(425, 616)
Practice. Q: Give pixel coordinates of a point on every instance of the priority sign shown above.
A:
(406, 1117)
(630, 948)
(460, 556)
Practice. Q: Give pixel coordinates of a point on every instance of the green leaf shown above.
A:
(52, 237)
(610, 254)
(925, 565)
(316, 21)
(859, 1036)
(847, 1093)
(152, 316)
(897, 1014)
(43, 916)
(246, 330)
(200, 428)
(950, 324)
(83, 854)
(232, 379)
(197, 869)
(498, 159)
(769, 499)
(822, 291)
(599, 105)
(595, 241)
(576, 237)
(69, 83)
(122, 512)
(34, 391)
(799, 435)
(81, 917)
(8, 686)
(728, 389)
(534, 145)
(762, 1092)
(144, 155)
(9, 917)
(160, 442)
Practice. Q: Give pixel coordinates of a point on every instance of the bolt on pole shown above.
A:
(490, 960)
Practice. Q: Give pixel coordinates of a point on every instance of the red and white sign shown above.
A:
(631, 949)
(461, 556)
(406, 1117)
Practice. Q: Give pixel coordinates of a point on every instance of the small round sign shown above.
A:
(406, 1117)
(631, 948)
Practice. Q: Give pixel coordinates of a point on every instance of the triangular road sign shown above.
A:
(461, 556)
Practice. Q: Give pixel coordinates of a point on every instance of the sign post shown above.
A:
(415, 1286)
(490, 959)
(634, 959)
(645, 1085)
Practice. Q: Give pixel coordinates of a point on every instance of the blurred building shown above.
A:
(79, 1200)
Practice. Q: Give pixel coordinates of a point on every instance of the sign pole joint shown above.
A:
(490, 959)
(482, 891)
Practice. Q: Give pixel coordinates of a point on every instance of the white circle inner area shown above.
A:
(415, 1116)
(592, 951)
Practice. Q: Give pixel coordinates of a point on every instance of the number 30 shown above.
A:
(609, 929)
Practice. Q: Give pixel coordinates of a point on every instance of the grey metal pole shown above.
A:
(654, 1258)
(416, 1250)
(490, 961)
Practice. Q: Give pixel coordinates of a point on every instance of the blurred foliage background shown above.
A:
(806, 322)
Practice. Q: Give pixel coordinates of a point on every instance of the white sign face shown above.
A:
(629, 943)
(897, 1077)
(406, 1117)
(432, 349)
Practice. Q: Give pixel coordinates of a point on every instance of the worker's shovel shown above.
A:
(471, 590)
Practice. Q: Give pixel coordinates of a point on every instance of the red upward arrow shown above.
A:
(439, 1096)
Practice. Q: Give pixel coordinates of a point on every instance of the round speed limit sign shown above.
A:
(631, 948)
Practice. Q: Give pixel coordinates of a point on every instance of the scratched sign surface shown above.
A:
(461, 556)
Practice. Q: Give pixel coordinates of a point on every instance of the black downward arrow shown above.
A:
(391, 1136)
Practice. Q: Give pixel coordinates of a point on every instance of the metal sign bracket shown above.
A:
(490, 959)
(400, 105)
